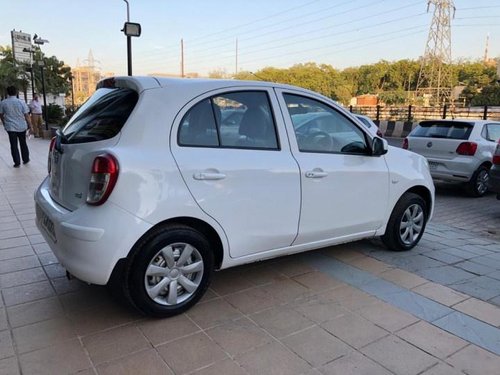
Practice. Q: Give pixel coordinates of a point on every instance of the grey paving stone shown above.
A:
(459, 253)
(475, 268)
(445, 275)
(487, 261)
(495, 275)
(443, 256)
(414, 263)
(472, 330)
(482, 287)
(495, 301)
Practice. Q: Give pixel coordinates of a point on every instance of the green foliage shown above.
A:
(13, 73)
(489, 95)
(55, 114)
(393, 97)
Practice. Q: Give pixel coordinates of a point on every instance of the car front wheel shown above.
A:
(170, 271)
(406, 224)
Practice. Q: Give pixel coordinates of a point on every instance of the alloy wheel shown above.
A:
(174, 274)
(411, 224)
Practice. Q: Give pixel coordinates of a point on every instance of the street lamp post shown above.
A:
(40, 41)
(32, 77)
(41, 64)
(130, 29)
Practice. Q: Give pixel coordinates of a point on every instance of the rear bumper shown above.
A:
(89, 241)
(494, 181)
(458, 169)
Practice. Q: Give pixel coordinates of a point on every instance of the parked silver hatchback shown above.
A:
(457, 150)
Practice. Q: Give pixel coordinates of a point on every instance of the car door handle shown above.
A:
(209, 176)
(316, 173)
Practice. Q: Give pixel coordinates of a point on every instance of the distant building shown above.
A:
(85, 78)
(365, 100)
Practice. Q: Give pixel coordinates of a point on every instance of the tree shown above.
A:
(56, 75)
(12, 73)
(489, 95)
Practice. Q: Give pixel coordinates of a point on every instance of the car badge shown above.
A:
(429, 144)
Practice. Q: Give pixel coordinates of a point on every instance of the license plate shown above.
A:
(46, 223)
(433, 165)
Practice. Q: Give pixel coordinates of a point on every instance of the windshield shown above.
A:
(101, 117)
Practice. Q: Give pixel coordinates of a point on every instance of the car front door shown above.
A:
(240, 172)
(344, 189)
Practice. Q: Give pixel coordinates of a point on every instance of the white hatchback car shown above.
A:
(457, 150)
(150, 190)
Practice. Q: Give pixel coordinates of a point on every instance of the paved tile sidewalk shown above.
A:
(351, 309)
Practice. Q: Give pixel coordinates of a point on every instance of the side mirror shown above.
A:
(379, 146)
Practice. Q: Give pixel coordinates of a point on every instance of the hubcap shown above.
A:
(482, 182)
(412, 223)
(174, 274)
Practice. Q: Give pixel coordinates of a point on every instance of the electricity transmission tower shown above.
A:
(435, 80)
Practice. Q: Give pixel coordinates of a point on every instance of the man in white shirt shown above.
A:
(36, 116)
(15, 117)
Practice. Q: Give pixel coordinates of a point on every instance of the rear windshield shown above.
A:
(443, 129)
(101, 117)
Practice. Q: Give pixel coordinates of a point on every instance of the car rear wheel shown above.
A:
(406, 224)
(170, 271)
(478, 184)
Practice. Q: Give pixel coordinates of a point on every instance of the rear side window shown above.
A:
(232, 120)
(101, 117)
(443, 129)
(491, 132)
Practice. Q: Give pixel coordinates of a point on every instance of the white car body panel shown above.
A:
(445, 163)
(253, 218)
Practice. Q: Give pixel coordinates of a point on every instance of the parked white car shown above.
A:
(457, 150)
(368, 122)
(148, 188)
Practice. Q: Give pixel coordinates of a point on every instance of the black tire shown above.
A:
(175, 240)
(408, 205)
(478, 184)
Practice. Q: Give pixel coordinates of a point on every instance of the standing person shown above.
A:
(36, 116)
(15, 117)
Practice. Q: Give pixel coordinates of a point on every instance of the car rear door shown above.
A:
(240, 172)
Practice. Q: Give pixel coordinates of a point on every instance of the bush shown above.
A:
(55, 114)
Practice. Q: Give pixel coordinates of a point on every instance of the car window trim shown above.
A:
(363, 131)
(217, 124)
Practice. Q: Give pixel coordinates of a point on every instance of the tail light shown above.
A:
(102, 180)
(467, 148)
(405, 143)
(496, 156)
(49, 158)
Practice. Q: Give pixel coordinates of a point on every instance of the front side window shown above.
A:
(232, 120)
(102, 116)
(320, 128)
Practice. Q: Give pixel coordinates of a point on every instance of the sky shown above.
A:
(278, 33)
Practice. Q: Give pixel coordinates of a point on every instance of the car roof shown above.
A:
(140, 83)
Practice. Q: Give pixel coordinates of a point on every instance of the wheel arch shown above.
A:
(426, 195)
(487, 164)
(203, 227)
